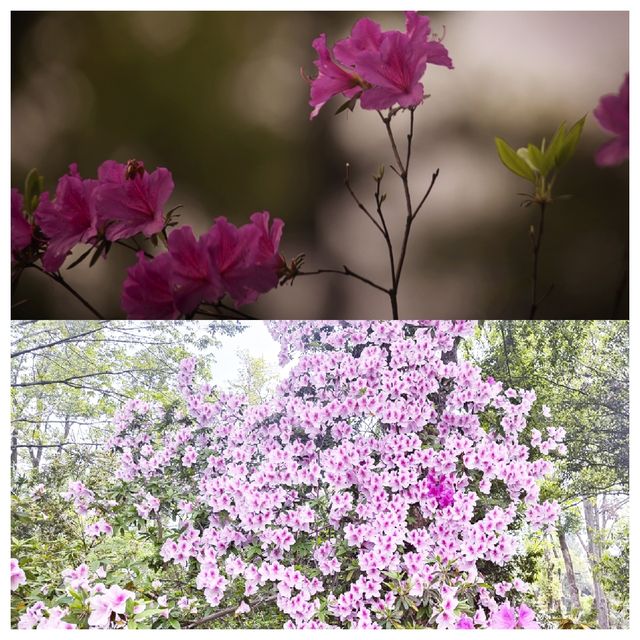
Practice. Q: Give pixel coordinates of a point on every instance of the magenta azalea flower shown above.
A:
(612, 113)
(366, 35)
(21, 231)
(246, 258)
(130, 200)
(194, 276)
(68, 220)
(243, 262)
(146, 293)
(331, 79)
(387, 66)
(264, 243)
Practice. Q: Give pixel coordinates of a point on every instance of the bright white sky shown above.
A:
(255, 339)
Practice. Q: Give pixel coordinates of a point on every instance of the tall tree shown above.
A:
(68, 377)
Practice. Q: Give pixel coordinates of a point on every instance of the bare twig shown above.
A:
(228, 610)
(60, 280)
(345, 272)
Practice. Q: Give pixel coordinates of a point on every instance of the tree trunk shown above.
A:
(551, 603)
(574, 597)
(14, 450)
(594, 554)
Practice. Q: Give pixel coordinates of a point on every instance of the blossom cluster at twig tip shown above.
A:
(380, 68)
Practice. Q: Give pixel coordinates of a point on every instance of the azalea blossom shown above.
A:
(69, 219)
(114, 600)
(35, 616)
(146, 292)
(240, 261)
(332, 79)
(247, 257)
(384, 68)
(21, 230)
(506, 617)
(194, 276)
(130, 200)
(17, 575)
(387, 502)
(612, 113)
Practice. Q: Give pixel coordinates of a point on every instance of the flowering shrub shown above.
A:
(91, 604)
(125, 202)
(375, 489)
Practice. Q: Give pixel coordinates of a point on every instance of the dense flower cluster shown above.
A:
(126, 200)
(103, 607)
(242, 262)
(123, 201)
(612, 113)
(384, 471)
(381, 68)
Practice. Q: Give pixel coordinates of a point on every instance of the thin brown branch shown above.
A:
(228, 610)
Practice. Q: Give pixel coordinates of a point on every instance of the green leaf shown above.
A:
(551, 154)
(81, 258)
(570, 142)
(147, 613)
(33, 186)
(513, 162)
(349, 104)
(541, 162)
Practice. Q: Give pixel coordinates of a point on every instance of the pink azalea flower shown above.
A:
(464, 622)
(55, 621)
(386, 65)
(17, 575)
(503, 618)
(194, 276)
(114, 600)
(100, 611)
(130, 200)
(246, 258)
(612, 113)
(526, 618)
(146, 292)
(331, 79)
(396, 68)
(242, 608)
(69, 219)
(21, 231)
(366, 35)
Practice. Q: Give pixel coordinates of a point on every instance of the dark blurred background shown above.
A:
(218, 99)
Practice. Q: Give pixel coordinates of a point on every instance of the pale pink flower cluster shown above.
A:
(39, 616)
(17, 575)
(112, 601)
(107, 606)
(148, 505)
(82, 496)
(374, 456)
(96, 529)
